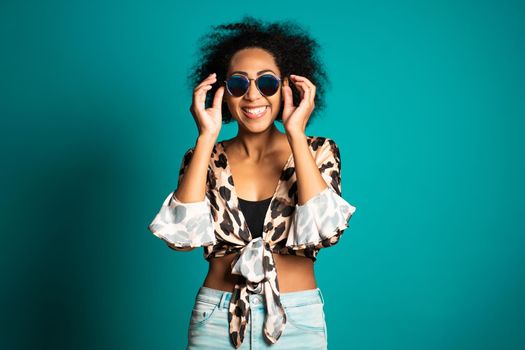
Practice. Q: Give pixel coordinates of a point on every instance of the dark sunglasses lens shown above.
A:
(268, 84)
(237, 85)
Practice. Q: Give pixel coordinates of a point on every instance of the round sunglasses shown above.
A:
(238, 85)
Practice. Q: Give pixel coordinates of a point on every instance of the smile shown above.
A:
(254, 113)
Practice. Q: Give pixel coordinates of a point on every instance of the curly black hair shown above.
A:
(294, 51)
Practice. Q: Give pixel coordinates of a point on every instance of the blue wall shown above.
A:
(426, 104)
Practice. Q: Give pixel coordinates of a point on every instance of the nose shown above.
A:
(253, 93)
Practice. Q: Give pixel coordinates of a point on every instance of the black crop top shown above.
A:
(254, 212)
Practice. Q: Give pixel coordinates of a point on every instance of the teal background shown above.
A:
(426, 104)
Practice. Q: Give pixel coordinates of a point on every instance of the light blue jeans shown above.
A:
(305, 326)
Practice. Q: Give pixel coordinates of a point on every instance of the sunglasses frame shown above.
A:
(250, 83)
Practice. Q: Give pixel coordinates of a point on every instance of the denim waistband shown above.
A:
(289, 299)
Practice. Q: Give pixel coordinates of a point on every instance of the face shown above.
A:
(252, 63)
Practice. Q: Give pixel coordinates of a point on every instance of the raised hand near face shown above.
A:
(295, 118)
(208, 120)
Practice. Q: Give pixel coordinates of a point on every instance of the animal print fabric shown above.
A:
(289, 228)
(183, 226)
(318, 220)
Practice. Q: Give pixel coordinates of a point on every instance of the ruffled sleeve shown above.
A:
(184, 226)
(320, 221)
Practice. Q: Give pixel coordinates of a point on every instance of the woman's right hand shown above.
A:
(208, 120)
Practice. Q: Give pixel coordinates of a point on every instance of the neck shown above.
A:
(256, 145)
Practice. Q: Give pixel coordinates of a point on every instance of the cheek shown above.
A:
(232, 105)
(276, 103)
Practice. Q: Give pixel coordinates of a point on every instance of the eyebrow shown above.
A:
(258, 73)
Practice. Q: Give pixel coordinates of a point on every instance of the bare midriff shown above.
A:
(294, 273)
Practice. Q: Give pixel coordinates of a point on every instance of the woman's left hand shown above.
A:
(295, 118)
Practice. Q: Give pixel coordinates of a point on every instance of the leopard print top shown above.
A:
(218, 225)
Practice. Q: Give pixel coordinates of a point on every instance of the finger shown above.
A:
(206, 85)
(308, 95)
(305, 90)
(217, 99)
(200, 97)
(308, 83)
(210, 77)
(299, 87)
(209, 80)
(200, 86)
(201, 92)
(297, 78)
(301, 78)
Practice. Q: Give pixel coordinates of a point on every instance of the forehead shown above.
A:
(251, 61)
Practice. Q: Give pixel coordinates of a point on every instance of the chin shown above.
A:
(256, 126)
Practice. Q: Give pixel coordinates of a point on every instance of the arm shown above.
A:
(184, 221)
(192, 188)
(309, 180)
(322, 217)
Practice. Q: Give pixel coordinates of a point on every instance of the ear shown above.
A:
(285, 83)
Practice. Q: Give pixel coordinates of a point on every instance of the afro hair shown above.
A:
(294, 51)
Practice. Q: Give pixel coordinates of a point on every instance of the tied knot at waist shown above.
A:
(255, 263)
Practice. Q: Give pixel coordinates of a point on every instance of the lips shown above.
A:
(254, 113)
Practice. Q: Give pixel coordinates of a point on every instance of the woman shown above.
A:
(260, 233)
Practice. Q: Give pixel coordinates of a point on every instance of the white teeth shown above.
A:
(255, 110)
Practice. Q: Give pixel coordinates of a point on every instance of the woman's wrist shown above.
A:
(207, 139)
(294, 137)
